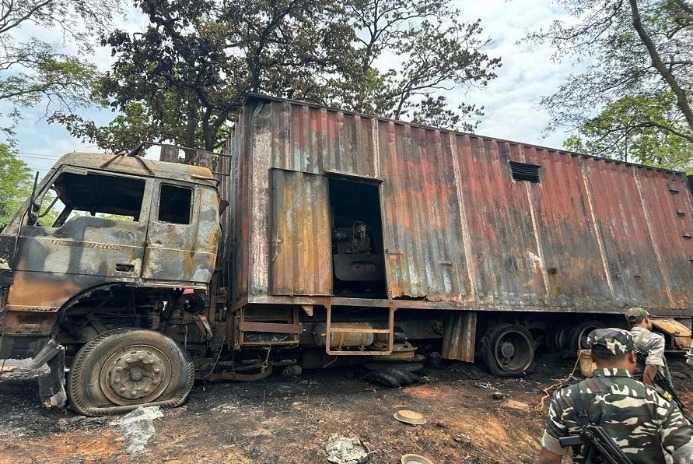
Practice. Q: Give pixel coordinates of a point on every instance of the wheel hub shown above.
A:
(507, 350)
(512, 350)
(139, 374)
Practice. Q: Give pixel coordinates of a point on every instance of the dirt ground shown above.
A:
(471, 418)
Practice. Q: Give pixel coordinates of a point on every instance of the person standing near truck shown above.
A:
(633, 419)
(648, 345)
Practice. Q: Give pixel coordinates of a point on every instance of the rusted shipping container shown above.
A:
(459, 221)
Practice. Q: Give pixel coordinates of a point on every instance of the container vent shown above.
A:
(524, 171)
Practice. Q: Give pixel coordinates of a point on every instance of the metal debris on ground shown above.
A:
(138, 427)
(415, 459)
(346, 450)
(409, 417)
(496, 395)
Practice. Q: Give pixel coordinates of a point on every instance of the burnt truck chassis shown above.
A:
(137, 327)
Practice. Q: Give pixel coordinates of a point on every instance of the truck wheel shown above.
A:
(125, 368)
(578, 335)
(508, 350)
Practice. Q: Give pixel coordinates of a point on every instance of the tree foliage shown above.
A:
(408, 51)
(15, 184)
(186, 76)
(635, 48)
(629, 129)
(34, 71)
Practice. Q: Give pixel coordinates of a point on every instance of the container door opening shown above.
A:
(357, 240)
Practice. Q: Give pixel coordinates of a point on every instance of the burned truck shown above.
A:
(322, 236)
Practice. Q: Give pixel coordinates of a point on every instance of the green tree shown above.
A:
(435, 53)
(630, 129)
(186, 76)
(184, 79)
(15, 184)
(634, 48)
(34, 71)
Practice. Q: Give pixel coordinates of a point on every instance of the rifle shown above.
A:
(594, 438)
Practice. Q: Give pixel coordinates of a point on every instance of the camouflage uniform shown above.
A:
(648, 428)
(651, 345)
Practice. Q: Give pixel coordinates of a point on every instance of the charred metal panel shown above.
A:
(458, 230)
(84, 245)
(57, 263)
(459, 339)
(425, 256)
(567, 240)
(236, 218)
(669, 209)
(316, 140)
(506, 256)
(301, 261)
(136, 165)
(261, 136)
(631, 255)
(46, 292)
(183, 252)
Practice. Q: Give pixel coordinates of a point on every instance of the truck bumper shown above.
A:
(51, 386)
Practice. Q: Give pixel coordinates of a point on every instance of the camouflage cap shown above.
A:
(614, 342)
(636, 314)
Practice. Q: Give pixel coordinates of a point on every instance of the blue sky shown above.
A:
(511, 101)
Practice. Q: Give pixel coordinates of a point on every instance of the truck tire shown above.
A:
(508, 350)
(122, 369)
(578, 335)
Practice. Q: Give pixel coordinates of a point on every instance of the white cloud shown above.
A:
(511, 101)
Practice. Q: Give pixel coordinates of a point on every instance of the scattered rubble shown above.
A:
(346, 450)
(15, 369)
(138, 427)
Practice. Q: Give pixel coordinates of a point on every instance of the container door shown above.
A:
(301, 250)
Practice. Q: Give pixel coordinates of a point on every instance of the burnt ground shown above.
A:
(290, 420)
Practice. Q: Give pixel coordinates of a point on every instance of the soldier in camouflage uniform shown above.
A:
(648, 343)
(647, 428)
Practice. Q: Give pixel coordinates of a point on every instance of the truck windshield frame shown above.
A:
(96, 194)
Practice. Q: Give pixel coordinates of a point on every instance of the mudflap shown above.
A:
(52, 385)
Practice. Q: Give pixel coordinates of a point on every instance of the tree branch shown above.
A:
(681, 98)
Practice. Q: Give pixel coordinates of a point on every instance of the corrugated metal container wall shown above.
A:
(590, 235)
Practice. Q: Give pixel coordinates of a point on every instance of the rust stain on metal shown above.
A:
(458, 230)
(109, 232)
(459, 338)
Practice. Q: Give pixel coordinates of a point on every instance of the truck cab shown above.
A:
(104, 239)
